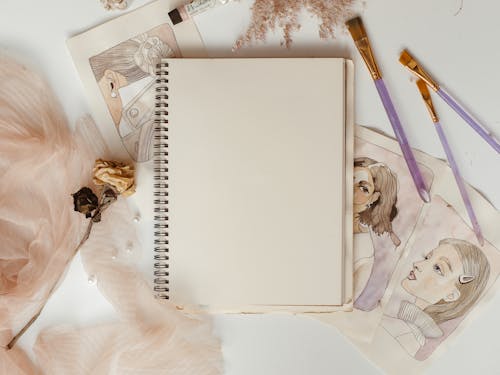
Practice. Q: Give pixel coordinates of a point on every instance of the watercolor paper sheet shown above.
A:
(386, 224)
(117, 61)
(403, 323)
(386, 213)
(376, 289)
(445, 279)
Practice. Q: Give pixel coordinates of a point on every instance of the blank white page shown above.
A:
(256, 181)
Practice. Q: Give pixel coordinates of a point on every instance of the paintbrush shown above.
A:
(422, 86)
(358, 33)
(409, 62)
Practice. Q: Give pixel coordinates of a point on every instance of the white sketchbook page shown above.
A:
(348, 237)
(103, 37)
(349, 166)
(256, 181)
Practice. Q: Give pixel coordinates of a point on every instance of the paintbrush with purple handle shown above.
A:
(409, 62)
(358, 33)
(422, 86)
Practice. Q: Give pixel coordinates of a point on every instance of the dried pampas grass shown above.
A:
(267, 15)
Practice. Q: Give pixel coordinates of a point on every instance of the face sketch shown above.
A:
(435, 278)
(364, 189)
(109, 84)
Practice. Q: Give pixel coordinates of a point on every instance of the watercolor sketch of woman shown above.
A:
(125, 74)
(441, 287)
(375, 198)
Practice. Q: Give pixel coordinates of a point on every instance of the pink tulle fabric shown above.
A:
(41, 164)
(16, 362)
(152, 338)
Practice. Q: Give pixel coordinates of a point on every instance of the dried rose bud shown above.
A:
(108, 196)
(115, 174)
(85, 201)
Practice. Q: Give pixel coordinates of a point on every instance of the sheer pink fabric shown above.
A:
(41, 164)
(15, 362)
(152, 336)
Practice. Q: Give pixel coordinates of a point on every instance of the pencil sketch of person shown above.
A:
(375, 198)
(443, 286)
(125, 74)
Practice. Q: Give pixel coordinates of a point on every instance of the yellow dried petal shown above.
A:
(118, 175)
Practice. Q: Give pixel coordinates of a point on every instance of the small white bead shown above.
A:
(136, 219)
(92, 280)
(129, 247)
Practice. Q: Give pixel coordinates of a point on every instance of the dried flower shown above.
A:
(114, 4)
(85, 201)
(115, 174)
(267, 15)
(108, 196)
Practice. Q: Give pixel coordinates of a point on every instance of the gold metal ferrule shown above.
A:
(426, 95)
(358, 33)
(409, 62)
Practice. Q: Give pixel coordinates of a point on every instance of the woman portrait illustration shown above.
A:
(385, 215)
(442, 286)
(375, 198)
(125, 75)
(443, 278)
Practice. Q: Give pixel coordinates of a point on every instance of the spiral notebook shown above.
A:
(253, 184)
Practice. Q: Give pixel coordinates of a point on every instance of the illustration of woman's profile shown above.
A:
(375, 198)
(125, 76)
(443, 286)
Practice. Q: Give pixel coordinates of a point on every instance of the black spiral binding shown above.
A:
(161, 244)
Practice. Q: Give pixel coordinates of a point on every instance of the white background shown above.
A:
(462, 50)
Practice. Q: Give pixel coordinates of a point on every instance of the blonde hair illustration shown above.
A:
(471, 284)
(120, 59)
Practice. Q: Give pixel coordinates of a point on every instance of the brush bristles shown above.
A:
(356, 28)
(405, 58)
(422, 87)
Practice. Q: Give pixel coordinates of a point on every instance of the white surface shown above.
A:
(460, 50)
